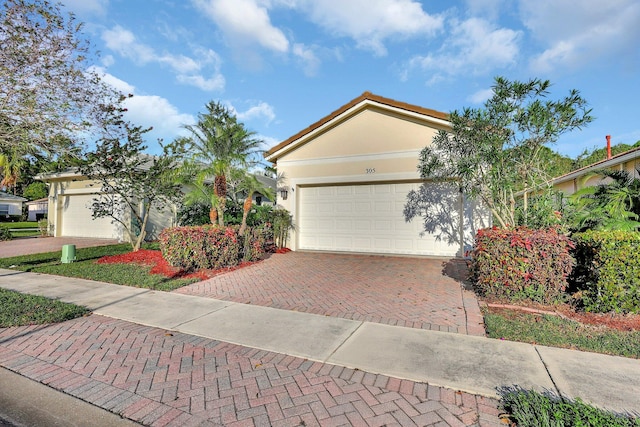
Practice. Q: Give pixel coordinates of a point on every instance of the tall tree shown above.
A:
(47, 88)
(133, 183)
(218, 143)
(496, 152)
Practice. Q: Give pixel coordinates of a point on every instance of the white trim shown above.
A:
(97, 190)
(408, 154)
(351, 111)
(357, 179)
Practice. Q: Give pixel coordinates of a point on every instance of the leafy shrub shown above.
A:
(43, 227)
(213, 247)
(257, 242)
(203, 247)
(522, 264)
(5, 234)
(532, 409)
(282, 224)
(258, 215)
(608, 270)
(194, 214)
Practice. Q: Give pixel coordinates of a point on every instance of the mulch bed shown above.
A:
(159, 265)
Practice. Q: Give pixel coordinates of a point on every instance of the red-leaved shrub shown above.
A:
(205, 247)
(522, 264)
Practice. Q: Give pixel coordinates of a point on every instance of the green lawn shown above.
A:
(85, 267)
(554, 331)
(22, 225)
(527, 408)
(18, 309)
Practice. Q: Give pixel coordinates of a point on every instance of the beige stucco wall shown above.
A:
(570, 186)
(58, 188)
(372, 145)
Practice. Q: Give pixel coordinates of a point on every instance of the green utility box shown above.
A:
(68, 254)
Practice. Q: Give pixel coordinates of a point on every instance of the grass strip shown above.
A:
(557, 332)
(528, 408)
(85, 267)
(18, 309)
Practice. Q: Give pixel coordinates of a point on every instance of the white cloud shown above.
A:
(87, 7)
(474, 46)
(245, 22)
(107, 60)
(149, 110)
(269, 142)
(159, 113)
(307, 57)
(188, 70)
(260, 111)
(575, 33)
(371, 22)
(124, 43)
(481, 96)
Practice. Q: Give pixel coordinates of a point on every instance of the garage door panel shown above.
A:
(76, 219)
(363, 218)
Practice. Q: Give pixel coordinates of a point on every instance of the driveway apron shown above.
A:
(36, 245)
(400, 291)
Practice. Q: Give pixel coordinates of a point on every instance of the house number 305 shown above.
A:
(370, 170)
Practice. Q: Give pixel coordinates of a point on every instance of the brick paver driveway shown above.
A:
(403, 291)
(38, 245)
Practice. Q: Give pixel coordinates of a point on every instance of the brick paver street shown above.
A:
(170, 379)
(403, 291)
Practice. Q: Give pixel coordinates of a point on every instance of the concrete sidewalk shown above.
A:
(472, 364)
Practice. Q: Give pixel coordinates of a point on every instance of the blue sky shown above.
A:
(284, 64)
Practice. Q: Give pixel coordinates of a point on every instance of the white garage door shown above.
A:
(77, 221)
(369, 218)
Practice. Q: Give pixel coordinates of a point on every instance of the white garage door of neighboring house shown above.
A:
(77, 221)
(366, 218)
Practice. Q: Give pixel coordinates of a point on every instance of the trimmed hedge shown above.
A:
(522, 264)
(204, 247)
(608, 270)
(213, 247)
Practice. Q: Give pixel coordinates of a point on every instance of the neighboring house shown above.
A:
(348, 176)
(70, 215)
(268, 182)
(10, 205)
(37, 209)
(570, 183)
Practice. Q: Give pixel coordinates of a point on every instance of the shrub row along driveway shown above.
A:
(411, 292)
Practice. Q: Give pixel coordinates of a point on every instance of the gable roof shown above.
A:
(11, 197)
(361, 102)
(602, 164)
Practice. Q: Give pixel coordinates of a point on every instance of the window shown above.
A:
(4, 209)
(259, 200)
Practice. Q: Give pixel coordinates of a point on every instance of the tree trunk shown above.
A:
(245, 213)
(220, 190)
(143, 231)
(213, 215)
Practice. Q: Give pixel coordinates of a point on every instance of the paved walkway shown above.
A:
(36, 245)
(201, 361)
(402, 291)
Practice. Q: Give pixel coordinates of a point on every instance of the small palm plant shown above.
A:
(614, 205)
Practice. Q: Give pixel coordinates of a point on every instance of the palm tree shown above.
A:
(11, 166)
(614, 205)
(217, 144)
(251, 185)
